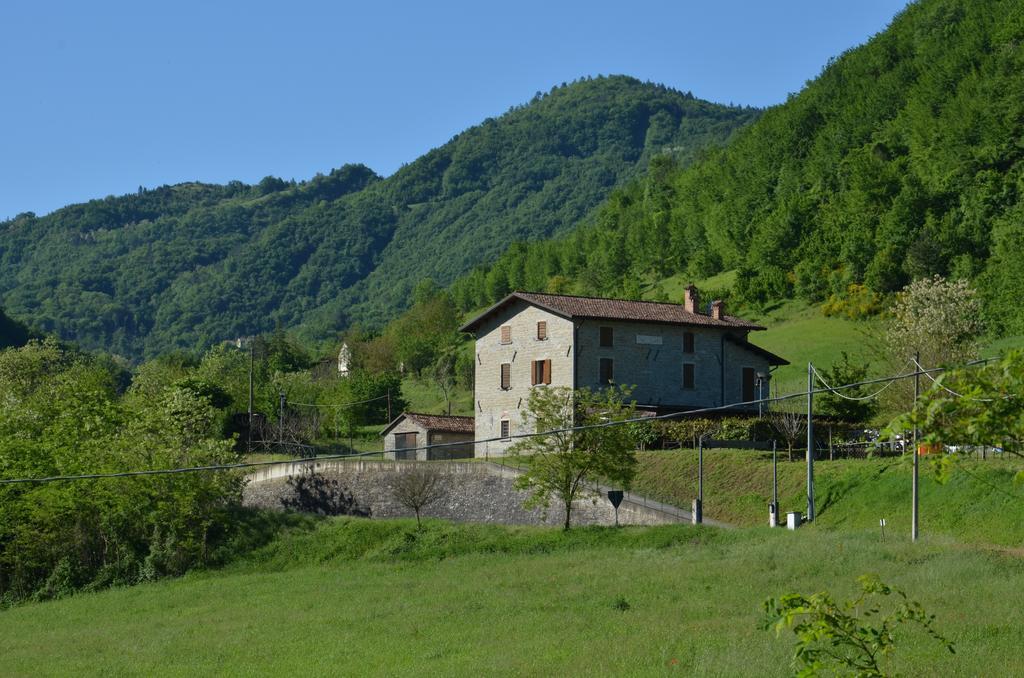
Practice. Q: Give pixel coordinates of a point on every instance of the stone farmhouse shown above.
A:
(676, 357)
(410, 434)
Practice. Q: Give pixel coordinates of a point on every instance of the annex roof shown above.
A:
(757, 350)
(614, 309)
(435, 422)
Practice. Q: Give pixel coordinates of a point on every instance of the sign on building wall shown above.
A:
(648, 339)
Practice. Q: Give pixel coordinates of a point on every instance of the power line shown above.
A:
(567, 429)
(841, 395)
(184, 469)
(342, 405)
(959, 395)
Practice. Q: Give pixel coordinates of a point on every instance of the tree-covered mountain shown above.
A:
(904, 158)
(193, 264)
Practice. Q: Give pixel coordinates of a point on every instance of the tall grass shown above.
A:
(359, 597)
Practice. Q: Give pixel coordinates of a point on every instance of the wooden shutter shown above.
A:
(506, 334)
(687, 342)
(546, 372)
(506, 376)
(542, 330)
(506, 429)
(533, 373)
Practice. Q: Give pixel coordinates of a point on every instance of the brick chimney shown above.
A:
(717, 309)
(691, 299)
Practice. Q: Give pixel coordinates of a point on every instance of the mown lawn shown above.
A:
(359, 597)
(981, 502)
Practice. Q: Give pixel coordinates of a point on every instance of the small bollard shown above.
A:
(793, 519)
(773, 515)
(698, 513)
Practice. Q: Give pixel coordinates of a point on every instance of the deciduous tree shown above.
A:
(560, 459)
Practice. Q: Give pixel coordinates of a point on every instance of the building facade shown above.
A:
(674, 357)
(428, 437)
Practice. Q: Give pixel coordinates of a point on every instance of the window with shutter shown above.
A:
(506, 429)
(606, 371)
(687, 342)
(506, 376)
(536, 372)
(542, 330)
(606, 337)
(688, 375)
(506, 334)
(405, 441)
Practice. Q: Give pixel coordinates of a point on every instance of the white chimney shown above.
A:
(691, 299)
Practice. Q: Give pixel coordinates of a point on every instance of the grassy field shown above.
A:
(980, 504)
(359, 597)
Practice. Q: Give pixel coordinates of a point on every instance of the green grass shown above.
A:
(801, 333)
(424, 396)
(673, 286)
(359, 597)
(981, 503)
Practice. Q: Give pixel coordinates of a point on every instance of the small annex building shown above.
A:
(411, 434)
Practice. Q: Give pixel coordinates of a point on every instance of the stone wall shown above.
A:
(477, 492)
(650, 357)
(494, 404)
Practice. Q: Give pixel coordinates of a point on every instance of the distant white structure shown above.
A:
(344, 360)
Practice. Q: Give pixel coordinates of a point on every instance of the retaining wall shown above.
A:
(476, 492)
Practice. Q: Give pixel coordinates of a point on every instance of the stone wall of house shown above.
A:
(451, 449)
(650, 357)
(405, 426)
(492, 403)
(736, 358)
(476, 492)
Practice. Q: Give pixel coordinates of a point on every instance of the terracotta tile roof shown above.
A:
(436, 422)
(616, 309)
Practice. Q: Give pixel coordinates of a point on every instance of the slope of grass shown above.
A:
(360, 597)
(981, 503)
(424, 395)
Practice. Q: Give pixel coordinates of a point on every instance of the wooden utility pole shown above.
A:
(248, 435)
(280, 432)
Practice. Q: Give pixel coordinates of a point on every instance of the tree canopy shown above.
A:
(190, 265)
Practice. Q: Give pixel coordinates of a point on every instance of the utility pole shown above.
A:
(914, 533)
(248, 435)
(389, 406)
(810, 442)
(698, 503)
(280, 431)
(773, 518)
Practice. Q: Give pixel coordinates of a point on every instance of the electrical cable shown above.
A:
(951, 391)
(836, 392)
(567, 429)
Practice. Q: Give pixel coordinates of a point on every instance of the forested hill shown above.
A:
(902, 159)
(193, 264)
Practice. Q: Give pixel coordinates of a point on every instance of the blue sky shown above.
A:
(98, 98)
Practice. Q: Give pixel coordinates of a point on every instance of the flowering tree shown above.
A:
(937, 319)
